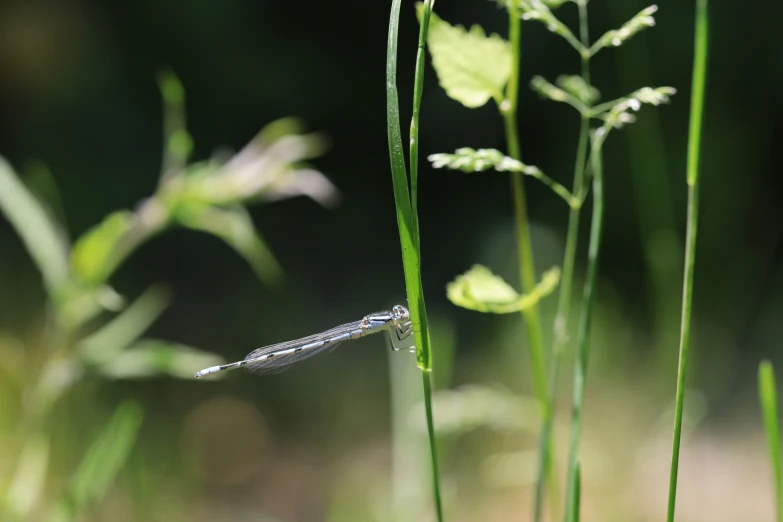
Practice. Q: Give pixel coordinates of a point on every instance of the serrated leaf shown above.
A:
(91, 257)
(471, 66)
(235, 227)
(150, 357)
(41, 236)
(108, 341)
(480, 290)
(104, 459)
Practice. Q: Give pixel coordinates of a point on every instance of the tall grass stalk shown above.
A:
(572, 483)
(527, 271)
(407, 219)
(769, 409)
(560, 337)
(694, 142)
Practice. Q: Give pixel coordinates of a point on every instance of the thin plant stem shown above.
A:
(560, 337)
(426, 378)
(694, 142)
(583, 339)
(407, 223)
(769, 410)
(508, 109)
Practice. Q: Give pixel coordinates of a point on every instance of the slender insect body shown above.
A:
(278, 357)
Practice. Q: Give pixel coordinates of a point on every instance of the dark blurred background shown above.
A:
(78, 93)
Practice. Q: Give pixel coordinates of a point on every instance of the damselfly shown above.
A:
(278, 357)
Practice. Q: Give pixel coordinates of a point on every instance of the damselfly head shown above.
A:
(400, 314)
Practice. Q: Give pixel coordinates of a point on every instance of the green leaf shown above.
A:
(150, 357)
(769, 409)
(106, 456)
(235, 227)
(480, 290)
(91, 259)
(108, 341)
(43, 238)
(471, 66)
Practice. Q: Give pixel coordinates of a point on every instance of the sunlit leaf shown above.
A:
(150, 357)
(480, 290)
(104, 459)
(235, 227)
(91, 257)
(471, 66)
(120, 332)
(43, 238)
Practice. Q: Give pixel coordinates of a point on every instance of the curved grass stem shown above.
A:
(694, 141)
(583, 340)
(407, 220)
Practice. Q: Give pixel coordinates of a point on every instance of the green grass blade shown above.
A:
(583, 340)
(769, 409)
(694, 142)
(408, 229)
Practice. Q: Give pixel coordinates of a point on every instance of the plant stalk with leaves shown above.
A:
(469, 79)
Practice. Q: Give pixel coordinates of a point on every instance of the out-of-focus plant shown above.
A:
(474, 68)
(769, 409)
(209, 196)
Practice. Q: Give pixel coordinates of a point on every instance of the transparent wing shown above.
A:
(279, 357)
